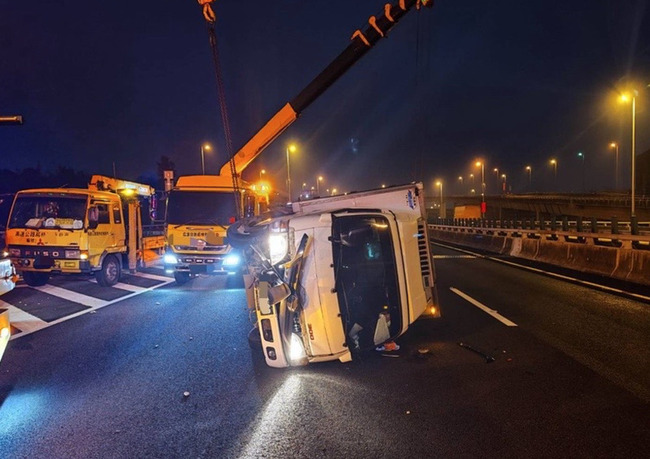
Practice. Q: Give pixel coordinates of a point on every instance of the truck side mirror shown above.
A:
(93, 217)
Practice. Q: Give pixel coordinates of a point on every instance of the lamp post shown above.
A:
(530, 176)
(262, 172)
(443, 213)
(581, 155)
(481, 164)
(460, 180)
(496, 174)
(505, 185)
(626, 98)
(318, 182)
(204, 147)
(554, 164)
(615, 146)
(290, 149)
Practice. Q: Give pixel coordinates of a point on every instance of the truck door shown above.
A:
(103, 236)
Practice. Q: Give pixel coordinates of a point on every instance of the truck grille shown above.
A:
(425, 260)
(207, 248)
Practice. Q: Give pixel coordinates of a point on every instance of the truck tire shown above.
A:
(35, 279)
(110, 273)
(181, 278)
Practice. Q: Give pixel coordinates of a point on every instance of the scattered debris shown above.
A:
(391, 355)
(408, 412)
(155, 346)
(93, 312)
(488, 358)
(423, 350)
(186, 394)
(388, 346)
(157, 303)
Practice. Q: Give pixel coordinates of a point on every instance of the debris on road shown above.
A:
(488, 358)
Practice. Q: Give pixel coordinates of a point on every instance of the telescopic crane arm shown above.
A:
(362, 41)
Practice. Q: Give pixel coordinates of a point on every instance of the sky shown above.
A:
(512, 83)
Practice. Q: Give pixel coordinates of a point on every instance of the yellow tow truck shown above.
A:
(95, 231)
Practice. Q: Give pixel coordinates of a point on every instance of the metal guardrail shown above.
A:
(591, 226)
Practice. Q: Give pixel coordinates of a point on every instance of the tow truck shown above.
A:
(80, 231)
(200, 208)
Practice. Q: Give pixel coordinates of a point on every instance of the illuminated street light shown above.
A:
(318, 182)
(582, 156)
(443, 213)
(481, 164)
(290, 149)
(262, 172)
(530, 175)
(553, 163)
(205, 147)
(626, 98)
(615, 146)
(496, 174)
(505, 186)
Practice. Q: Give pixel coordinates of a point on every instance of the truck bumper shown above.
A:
(203, 264)
(59, 266)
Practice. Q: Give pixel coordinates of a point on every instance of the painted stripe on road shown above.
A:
(484, 308)
(80, 298)
(155, 277)
(551, 273)
(23, 321)
(442, 257)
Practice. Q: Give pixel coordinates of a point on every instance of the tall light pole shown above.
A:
(505, 185)
(318, 182)
(496, 174)
(443, 213)
(626, 98)
(554, 164)
(615, 146)
(581, 155)
(481, 164)
(262, 172)
(290, 149)
(530, 176)
(460, 179)
(206, 147)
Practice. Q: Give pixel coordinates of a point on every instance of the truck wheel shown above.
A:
(35, 279)
(110, 273)
(181, 278)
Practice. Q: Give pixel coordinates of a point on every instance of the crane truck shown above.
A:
(200, 208)
(80, 231)
(331, 278)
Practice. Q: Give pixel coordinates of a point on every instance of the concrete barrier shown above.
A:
(623, 263)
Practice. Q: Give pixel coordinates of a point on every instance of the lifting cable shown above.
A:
(210, 19)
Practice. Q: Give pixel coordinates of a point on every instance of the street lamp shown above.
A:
(505, 186)
(615, 145)
(554, 164)
(530, 175)
(582, 156)
(318, 182)
(290, 149)
(443, 213)
(496, 174)
(204, 147)
(481, 164)
(262, 172)
(626, 98)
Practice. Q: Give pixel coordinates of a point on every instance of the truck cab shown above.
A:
(199, 210)
(337, 276)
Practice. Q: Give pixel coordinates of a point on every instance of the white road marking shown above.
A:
(72, 296)
(484, 308)
(155, 277)
(29, 324)
(550, 273)
(22, 320)
(441, 257)
(129, 287)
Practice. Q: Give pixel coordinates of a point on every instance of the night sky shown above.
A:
(512, 82)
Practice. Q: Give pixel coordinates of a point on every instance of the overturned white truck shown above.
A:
(335, 276)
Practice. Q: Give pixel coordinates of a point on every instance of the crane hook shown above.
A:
(208, 13)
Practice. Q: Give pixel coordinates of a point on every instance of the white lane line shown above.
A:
(154, 277)
(551, 274)
(43, 324)
(72, 296)
(442, 257)
(23, 321)
(129, 287)
(484, 308)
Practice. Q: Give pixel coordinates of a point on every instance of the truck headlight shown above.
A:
(232, 259)
(297, 352)
(72, 254)
(170, 259)
(278, 247)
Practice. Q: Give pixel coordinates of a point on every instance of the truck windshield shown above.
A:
(201, 208)
(366, 279)
(48, 211)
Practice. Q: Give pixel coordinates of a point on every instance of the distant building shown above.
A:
(642, 174)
